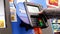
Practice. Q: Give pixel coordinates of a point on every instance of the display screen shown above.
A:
(33, 9)
(2, 14)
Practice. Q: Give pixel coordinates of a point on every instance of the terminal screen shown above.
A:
(33, 9)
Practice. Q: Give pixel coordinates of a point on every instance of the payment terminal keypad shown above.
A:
(34, 20)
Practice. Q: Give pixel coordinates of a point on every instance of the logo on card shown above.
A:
(53, 2)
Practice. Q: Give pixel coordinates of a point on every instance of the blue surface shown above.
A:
(16, 29)
(42, 2)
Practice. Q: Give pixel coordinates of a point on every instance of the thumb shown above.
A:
(41, 12)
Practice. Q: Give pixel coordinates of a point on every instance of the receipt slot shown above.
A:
(5, 23)
(32, 11)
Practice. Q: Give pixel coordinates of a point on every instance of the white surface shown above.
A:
(20, 1)
(2, 15)
(54, 21)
